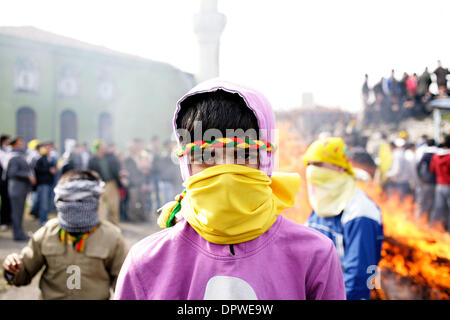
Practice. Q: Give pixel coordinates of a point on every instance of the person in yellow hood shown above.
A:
(224, 237)
(344, 213)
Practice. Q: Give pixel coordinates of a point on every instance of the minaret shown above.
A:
(208, 25)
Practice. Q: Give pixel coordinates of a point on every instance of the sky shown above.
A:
(282, 48)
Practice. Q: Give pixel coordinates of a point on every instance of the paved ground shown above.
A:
(132, 232)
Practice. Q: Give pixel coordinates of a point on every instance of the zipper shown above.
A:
(232, 250)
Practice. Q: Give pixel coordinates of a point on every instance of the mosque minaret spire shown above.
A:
(208, 25)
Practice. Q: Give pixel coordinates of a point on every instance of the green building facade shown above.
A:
(55, 88)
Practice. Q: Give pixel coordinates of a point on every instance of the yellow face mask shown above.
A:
(43, 151)
(230, 203)
(329, 191)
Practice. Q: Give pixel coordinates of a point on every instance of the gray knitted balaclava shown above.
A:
(77, 204)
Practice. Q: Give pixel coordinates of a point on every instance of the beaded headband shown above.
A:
(225, 143)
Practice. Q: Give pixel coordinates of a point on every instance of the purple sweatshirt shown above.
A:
(289, 261)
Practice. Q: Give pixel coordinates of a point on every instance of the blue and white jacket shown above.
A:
(357, 233)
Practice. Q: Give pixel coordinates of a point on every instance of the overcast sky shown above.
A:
(281, 47)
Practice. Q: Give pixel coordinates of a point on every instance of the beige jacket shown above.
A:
(69, 274)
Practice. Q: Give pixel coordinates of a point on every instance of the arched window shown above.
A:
(105, 127)
(26, 123)
(68, 127)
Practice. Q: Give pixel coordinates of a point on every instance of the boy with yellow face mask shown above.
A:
(344, 213)
(224, 237)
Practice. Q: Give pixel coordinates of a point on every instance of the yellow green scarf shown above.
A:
(79, 241)
(229, 203)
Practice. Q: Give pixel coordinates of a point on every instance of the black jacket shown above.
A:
(42, 171)
(114, 167)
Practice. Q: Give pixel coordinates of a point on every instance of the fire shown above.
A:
(412, 248)
(291, 149)
(415, 259)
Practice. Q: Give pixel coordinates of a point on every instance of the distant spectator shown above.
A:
(424, 83)
(359, 156)
(427, 180)
(411, 86)
(377, 88)
(20, 179)
(71, 159)
(392, 84)
(136, 194)
(422, 145)
(440, 166)
(32, 153)
(45, 171)
(5, 209)
(108, 167)
(31, 156)
(410, 157)
(383, 159)
(402, 84)
(170, 177)
(441, 76)
(398, 174)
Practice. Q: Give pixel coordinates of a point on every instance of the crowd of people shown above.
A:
(419, 169)
(224, 236)
(391, 100)
(137, 183)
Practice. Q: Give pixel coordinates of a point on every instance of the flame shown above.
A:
(291, 149)
(420, 251)
(412, 250)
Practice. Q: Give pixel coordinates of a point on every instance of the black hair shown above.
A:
(219, 110)
(43, 144)
(73, 175)
(431, 142)
(447, 141)
(15, 140)
(3, 138)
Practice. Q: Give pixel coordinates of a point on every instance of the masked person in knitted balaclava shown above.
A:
(344, 213)
(81, 255)
(224, 237)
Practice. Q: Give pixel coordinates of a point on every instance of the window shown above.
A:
(26, 123)
(68, 127)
